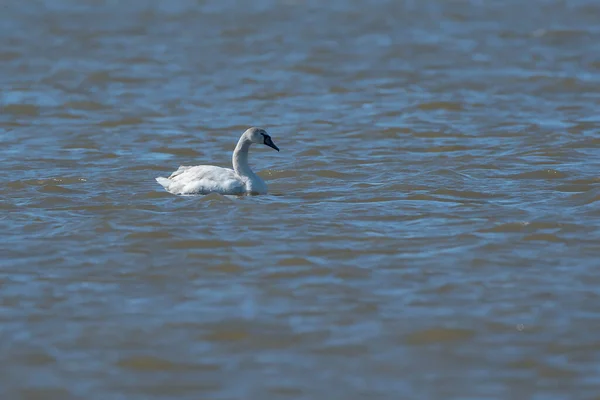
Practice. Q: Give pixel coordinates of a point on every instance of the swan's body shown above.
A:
(204, 179)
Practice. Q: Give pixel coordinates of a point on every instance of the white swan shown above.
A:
(204, 179)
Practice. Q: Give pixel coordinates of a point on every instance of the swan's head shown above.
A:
(260, 136)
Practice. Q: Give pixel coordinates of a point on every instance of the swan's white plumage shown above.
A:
(204, 179)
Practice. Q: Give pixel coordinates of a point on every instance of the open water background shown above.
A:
(431, 232)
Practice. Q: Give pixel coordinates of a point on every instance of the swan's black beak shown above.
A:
(269, 142)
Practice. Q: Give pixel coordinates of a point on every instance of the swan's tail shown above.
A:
(164, 182)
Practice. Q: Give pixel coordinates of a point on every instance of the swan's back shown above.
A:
(203, 179)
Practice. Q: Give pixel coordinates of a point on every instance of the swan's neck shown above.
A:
(240, 158)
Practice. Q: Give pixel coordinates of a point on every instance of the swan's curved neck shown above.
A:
(240, 158)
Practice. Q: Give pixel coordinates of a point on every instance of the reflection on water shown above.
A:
(432, 224)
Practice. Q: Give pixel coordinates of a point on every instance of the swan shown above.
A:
(204, 179)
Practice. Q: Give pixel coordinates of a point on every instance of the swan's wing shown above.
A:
(180, 170)
(204, 179)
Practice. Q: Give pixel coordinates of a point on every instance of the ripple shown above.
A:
(447, 149)
(438, 335)
(525, 226)
(121, 122)
(467, 194)
(148, 235)
(22, 110)
(542, 369)
(294, 261)
(45, 392)
(86, 105)
(441, 105)
(180, 152)
(333, 174)
(540, 174)
(544, 237)
(585, 198)
(200, 243)
(151, 364)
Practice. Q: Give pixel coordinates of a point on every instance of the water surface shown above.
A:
(432, 225)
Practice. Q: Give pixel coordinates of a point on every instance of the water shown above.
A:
(432, 225)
